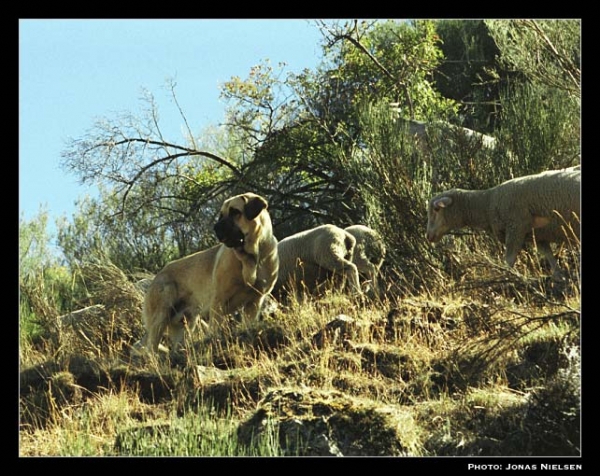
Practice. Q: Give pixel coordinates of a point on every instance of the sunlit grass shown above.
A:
(453, 370)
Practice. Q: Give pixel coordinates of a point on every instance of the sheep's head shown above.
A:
(437, 220)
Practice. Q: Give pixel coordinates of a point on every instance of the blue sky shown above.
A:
(72, 72)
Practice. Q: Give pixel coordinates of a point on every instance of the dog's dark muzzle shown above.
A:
(228, 233)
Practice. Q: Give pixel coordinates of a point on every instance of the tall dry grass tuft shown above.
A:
(112, 322)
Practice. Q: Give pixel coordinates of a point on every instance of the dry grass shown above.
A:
(458, 370)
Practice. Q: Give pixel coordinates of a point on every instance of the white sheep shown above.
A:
(420, 129)
(306, 258)
(545, 205)
(369, 253)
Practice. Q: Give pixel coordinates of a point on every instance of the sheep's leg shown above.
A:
(352, 275)
(374, 280)
(366, 268)
(514, 240)
(546, 252)
(338, 260)
(371, 272)
(348, 269)
(351, 272)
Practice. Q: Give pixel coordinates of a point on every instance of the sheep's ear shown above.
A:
(254, 206)
(442, 202)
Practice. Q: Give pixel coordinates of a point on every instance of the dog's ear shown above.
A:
(254, 206)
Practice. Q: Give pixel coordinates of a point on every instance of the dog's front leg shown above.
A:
(251, 311)
(249, 266)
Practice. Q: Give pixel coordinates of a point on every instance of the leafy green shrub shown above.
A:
(541, 128)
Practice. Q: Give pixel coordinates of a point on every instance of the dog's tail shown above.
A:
(157, 312)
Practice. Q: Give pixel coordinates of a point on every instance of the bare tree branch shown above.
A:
(172, 85)
(186, 152)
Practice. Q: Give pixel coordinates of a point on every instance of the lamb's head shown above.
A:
(440, 216)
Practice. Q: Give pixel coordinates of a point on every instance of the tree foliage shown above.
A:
(34, 239)
(324, 146)
(392, 61)
(469, 72)
(546, 51)
(303, 152)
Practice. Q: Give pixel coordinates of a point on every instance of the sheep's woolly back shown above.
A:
(553, 195)
(313, 247)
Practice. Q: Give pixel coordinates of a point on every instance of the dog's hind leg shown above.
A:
(158, 308)
(185, 319)
(155, 328)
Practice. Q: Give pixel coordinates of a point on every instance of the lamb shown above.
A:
(369, 253)
(306, 257)
(545, 205)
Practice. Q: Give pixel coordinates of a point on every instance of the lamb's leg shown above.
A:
(349, 269)
(374, 281)
(337, 260)
(365, 267)
(353, 277)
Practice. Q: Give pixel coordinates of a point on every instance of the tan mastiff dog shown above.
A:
(235, 275)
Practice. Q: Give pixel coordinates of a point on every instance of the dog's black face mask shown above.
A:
(228, 232)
